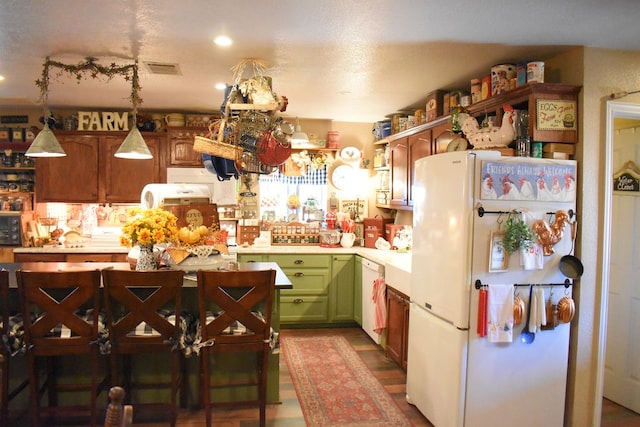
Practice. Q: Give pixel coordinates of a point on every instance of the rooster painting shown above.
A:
(491, 136)
(550, 235)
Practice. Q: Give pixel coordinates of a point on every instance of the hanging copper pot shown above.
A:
(271, 152)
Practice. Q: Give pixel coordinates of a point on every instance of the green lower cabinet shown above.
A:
(342, 288)
(357, 290)
(323, 288)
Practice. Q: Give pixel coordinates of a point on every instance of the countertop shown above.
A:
(397, 265)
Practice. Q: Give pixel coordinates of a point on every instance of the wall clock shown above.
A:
(342, 176)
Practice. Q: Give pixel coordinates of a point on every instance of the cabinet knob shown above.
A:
(298, 274)
(298, 301)
(298, 261)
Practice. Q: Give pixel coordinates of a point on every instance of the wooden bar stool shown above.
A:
(143, 311)
(6, 392)
(235, 316)
(66, 306)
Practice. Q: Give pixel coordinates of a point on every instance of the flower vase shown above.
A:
(146, 259)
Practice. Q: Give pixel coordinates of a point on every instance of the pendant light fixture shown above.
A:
(45, 144)
(133, 146)
(299, 137)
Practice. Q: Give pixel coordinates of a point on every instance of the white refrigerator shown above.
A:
(455, 377)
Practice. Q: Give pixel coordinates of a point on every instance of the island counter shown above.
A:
(236, 366)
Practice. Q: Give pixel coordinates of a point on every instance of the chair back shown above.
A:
(235, 308)
(143, 307)
(66, 306)
(4, 309)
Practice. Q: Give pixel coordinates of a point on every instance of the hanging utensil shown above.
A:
(518, 310)
(570, 265)
(482, 312)
(527, 336)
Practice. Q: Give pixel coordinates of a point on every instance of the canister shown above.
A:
(535, 72)
(333, 139)
(501, 77)
(476, 90)
(486, 87)
(536, 149)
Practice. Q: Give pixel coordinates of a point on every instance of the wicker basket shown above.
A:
(217, 146)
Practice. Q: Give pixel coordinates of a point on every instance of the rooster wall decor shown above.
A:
(550, 235)
(492, 136)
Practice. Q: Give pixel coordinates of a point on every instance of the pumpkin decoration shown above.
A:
(188, 236)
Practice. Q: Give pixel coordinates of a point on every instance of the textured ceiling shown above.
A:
(335, 59)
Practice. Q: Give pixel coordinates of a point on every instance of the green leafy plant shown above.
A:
(517, 235)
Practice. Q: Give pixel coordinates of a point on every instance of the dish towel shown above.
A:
(482, 312)
(500, 316)
(532, 259)
(380, 305)
(538, 310)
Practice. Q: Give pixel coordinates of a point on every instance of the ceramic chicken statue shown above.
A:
(550, 235)
(491, 136)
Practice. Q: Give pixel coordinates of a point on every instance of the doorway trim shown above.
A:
(613, 110)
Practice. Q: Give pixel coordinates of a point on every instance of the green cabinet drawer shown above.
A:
(304, 309)
(307, 281)
(302, 261)
(252, 258)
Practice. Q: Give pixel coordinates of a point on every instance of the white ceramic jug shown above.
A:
(347, 240)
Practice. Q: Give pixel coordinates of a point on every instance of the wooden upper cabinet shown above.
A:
(73, 178)
(180, 146)
(89, 173)
(420, 146)
(122, 180)
(399, 172)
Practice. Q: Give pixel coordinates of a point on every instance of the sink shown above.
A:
(398, 275)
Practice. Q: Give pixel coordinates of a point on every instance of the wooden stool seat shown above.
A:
(236, 298)
(61, 320)
(144, 316)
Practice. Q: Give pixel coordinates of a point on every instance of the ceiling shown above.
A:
(346, 60)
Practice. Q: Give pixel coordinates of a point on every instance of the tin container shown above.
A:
(535, 72)
(501, 78)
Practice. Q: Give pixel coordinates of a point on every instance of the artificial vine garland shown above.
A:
(90, 68)
(517, 235)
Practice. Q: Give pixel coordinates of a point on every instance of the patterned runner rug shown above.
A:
(335, 387)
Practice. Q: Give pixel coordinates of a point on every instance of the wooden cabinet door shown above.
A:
(122, 180)
(180, 148)
(419, 147)
(397, 327)
(399, 172)
(71, 179)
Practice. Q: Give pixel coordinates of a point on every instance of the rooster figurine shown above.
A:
(550, 235)
(491, 136)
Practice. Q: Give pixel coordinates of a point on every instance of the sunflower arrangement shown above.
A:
(149, 226)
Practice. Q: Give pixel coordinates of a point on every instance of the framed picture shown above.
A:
(17, 135)
(498, 258)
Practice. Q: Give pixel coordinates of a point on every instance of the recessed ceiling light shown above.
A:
(1, 78)
(221, 86)
(223, 41)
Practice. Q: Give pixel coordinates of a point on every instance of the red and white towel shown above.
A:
(378, 297)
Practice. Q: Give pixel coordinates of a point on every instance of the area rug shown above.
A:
(335, 387)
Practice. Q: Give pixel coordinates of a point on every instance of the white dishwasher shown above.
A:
(371, 271)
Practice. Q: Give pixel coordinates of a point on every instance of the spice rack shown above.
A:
(294, 233)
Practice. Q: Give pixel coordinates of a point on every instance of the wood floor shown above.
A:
(289, 413)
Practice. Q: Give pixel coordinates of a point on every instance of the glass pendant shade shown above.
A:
(45, 144)
(133, 147)
(298, 136)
